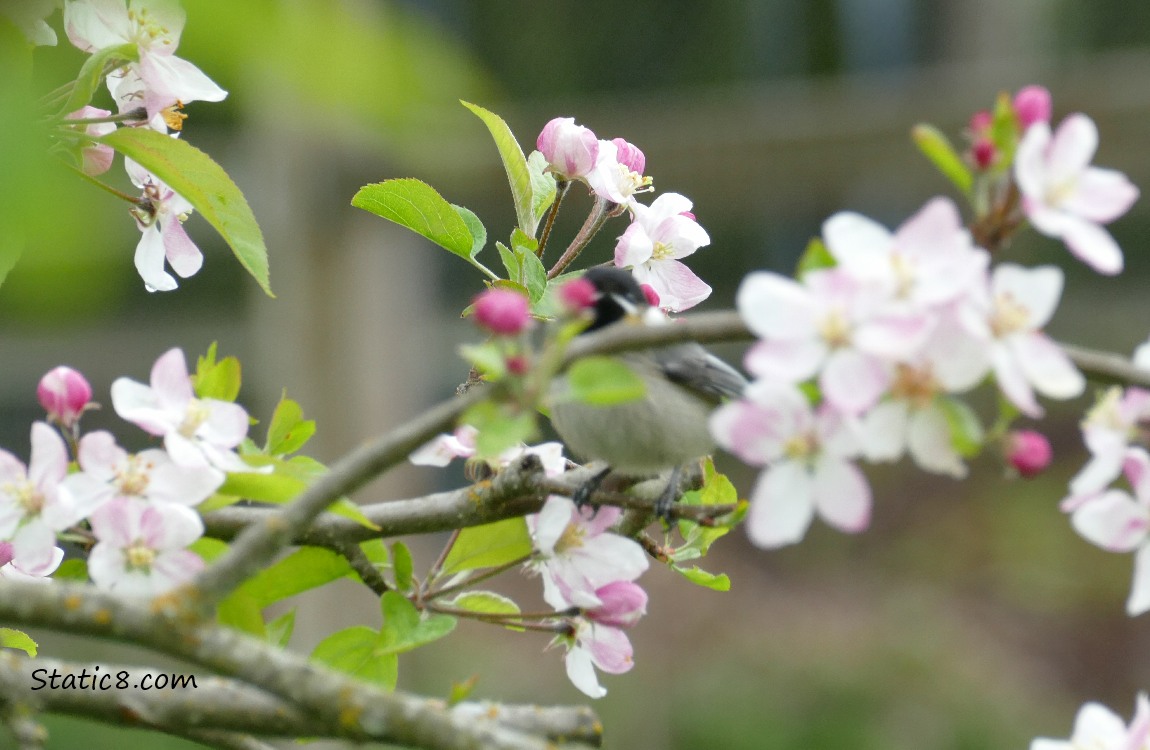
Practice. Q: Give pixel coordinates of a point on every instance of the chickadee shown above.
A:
(664, 429)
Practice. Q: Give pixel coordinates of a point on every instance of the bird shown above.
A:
(667, 427)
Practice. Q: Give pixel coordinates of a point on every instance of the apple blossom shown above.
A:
(64, 394)
(160, 214)
(108, 471)
(807, 457)
(570, 149)
(576, 554)
(11, 571)
(1108, 430)
(593, 645)
(154, 26)
(34, 506)
(658, 236)
(1098, 728)
(1064, 197)
(622, 604)
(197, 432)
(617, 174)
(141, 548)
(95, 158)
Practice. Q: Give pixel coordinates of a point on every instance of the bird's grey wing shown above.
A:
(692, 366)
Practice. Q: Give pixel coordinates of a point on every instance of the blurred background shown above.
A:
(969, 616)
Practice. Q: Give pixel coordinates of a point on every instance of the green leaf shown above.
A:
(487, 603)
(461, 690)
(288, 431)
(603, 381)
(488, 546)
(936, 146)
(264, 488)
(500, 426)
(717, 490)
(488, 358)
(204, 184)
(518, 175)
(401, 562)
(511, 262)
(241, 611)
(700, 577)
(72, 570)
(357, 651)
(305, 569)
(376, 552)
(543, 188)
(208, 548)
(218, 380)
(17, 639)
(475, 226)
(534, 273)
(93, 72)
(403, 629)
(965, 429)
(416, 205)
(280, 629)
(814, 257)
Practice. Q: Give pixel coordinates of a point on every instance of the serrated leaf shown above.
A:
(357, 651)
(700, 577)
(816, 256)
(475, 226)
(219, 380)
(92, 74)
(204, 184)
(17, 639)
(965, 429)
(543, 188)
(280, 629)
(401, 563)
(417, 206)
(934, 144)
(603, 381)
(488, 546)
(288, 431)
(403, 628)
(514, 163)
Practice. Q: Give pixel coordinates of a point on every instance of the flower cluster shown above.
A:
(865, 354)
(138, 506)
(659, 235)
(149, 92)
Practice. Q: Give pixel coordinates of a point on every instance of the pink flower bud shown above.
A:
(518, 365)
(64, 394)
(1028, 451)
(980, 122)
(984, 153)
(96, 158)
(570, 149)
(651, 295)
(577, 295)
(1032, 104)
(630, 156)
(502, 311)
(623, 604)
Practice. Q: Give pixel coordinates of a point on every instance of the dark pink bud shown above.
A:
(1032, 104)
(651, 295)
(577, 294)
(984, 153)
(64, 394)
(517, 364)
(980, 122)
(502, 311)
(570, 149)
(623, 604)
(1028, 451)
(630, 156)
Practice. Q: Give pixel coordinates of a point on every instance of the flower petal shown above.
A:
(782, 505)
(841, 494)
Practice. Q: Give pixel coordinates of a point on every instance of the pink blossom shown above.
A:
(1028, 451)
(64, 394)
(595, 645)
(1098, 728)
(10, 570)
(502, 311)
(108, 471)
(445, 448)
(141, 548)
(1064, 197)
(570, 149)
(1032, 104)
(160, 215)
(614, 177)
(577, 294)
(197, 432)
(1108, 430)
(154, 26)
(807, 457)
(659, 235)
(577, 554)
(34, 505)
(622, 604)
(96, 158)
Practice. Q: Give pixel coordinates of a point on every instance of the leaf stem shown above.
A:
(561, 188)
(491, 573)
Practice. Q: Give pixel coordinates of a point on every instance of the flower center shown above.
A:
(915, 384)
(835, 329)
(661, 251)
(903, 275)
(571, 538)
(139, 556)
(173, 117)
(1009, 316)
(196, 414)
(800, 447)
(26, 496)
(133, 478)
(147, 32)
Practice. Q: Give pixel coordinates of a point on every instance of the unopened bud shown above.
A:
(983, 153)
(630, 156)
(1028, 452)
(1032, 104)
(570, 149)
(651, 295)
(980, 122)
(64, 394)
(503, 311)
(577, 295)
(623, 604)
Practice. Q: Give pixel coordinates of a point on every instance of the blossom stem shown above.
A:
(133, 115)
(561, 188)
(595, 220)
(107, 188)
(437, 566)
(487, 574)
(515, 619)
